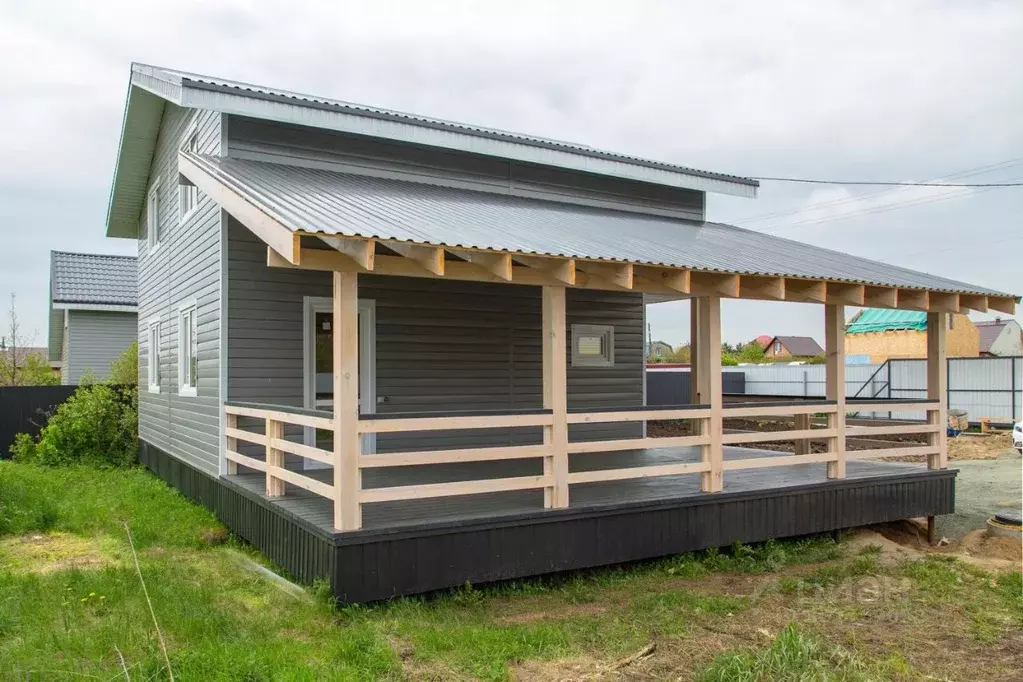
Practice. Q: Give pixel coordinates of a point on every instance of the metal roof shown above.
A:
(990, 331)
(802, 346)
(93, 279)
(315, 200)
(878, 320)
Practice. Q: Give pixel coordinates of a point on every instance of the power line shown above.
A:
(892, 184)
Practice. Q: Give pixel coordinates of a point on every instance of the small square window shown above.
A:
(188, 194)
(593, 345)
(188, 351)
(154, 355)
(153, 216)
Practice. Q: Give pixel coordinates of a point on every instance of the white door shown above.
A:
(318, 358)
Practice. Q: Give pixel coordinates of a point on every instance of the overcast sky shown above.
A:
(824, 89)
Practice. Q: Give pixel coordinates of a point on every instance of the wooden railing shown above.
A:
(934, 428)
(802, 433)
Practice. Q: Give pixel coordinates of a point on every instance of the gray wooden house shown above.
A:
(93, 312)
(405, 353)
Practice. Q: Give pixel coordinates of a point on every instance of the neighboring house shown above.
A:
(763, 341)
(20, 355)
(1000, 338)
(792, 347)
(370, 341)
(885, 334)
(659, 350)
(93, 312)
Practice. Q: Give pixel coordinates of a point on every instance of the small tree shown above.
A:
(124, 371)
(13, 350)
(751, 352)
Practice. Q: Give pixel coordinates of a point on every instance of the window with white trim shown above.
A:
(593, 345)
(154, 355)
(153, 216)
(188, 194)
(188, 351)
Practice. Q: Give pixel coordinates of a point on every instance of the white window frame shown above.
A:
(187, 316)
(188, 194)
(153, 216)
(153, 361)
(606, 332)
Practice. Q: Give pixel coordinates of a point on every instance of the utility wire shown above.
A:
(892, 184)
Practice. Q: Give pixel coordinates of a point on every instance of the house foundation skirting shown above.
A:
(373, 564)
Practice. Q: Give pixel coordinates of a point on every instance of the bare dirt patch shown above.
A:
(980, 446)
(51, 552)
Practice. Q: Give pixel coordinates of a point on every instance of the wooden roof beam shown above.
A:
(496, 263)
(806, 290)
(560, 269)
(764, 288)
(845, 293)
(974, 302)
(912, 299)
(430, 258)
(715, 284)
(880, 297)
(673, 279)
(362, 251)
(942, 302)
(1003, 304)
(619, 274)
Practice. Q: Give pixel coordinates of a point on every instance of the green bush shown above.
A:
(98, 424)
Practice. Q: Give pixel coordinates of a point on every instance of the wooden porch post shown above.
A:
(347, 480)
(834, 343)
(937, 387)
(708, 324)
(694, 353)
(555, 395)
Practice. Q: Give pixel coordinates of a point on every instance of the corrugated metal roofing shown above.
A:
(94, 279)
(800, 346)
(877, 320)
(315, 200)
(989, 333)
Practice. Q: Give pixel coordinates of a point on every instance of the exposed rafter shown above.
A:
(880, 297)
(845, 293)
(1002, 304)
(362, 251)
(805, 290)
(942, 302)
(496, 263)
(678, 280)
(429, 258)
(766, 288)
(974, 302)
(561, 269)
(618, 274)
(715, 284)
(912, 299)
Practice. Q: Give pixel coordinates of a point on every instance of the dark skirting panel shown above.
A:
(369, 565)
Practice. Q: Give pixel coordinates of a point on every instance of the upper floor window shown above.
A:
(188, 194)
(154, 355)
(777, 347)
(188, 351)
(153, 216)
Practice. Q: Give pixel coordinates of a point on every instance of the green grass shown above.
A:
(71, 603)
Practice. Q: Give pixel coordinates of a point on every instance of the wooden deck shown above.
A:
(409, 514)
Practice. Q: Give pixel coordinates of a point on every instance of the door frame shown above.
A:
(367, 361)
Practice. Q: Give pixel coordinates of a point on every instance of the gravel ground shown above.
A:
(983, 486)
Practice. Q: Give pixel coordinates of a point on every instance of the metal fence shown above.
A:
(24, 409)
(984, 387)
(671, 386)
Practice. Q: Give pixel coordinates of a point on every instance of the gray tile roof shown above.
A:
(800, 346)
(334, 203)
(93, 279)
(989, 332)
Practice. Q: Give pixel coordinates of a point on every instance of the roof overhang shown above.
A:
(102, 307)
(150, 87)
(324, 220)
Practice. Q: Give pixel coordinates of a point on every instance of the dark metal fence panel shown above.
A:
(668, 387)
(24, 409)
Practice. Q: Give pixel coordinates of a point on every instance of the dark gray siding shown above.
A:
(440, 345)
(94, 340)
(185, 267)
(251, 138)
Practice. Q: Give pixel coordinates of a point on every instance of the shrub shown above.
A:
(98, 424)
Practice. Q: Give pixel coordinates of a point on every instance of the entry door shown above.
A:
(319, 360)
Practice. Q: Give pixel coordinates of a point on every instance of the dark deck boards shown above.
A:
(408, 514)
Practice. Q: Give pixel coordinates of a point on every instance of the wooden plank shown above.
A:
(555, 394)
(230, 442)
(880, 297)
(302, 450)
(769, 436)
(424, 457)
(446, 423)
(560, 269)
(973, 302)
(619, 275)
(637, 415)
(912, 299)
(889, 406)
(763, 288)
(268, 228)
(784, 460)
(942, 302)
(897, 430)
(238, 458)
(247, 436)
(696, 369)
(834, 384)
(1002, 304)
(496, 263)
(638, 472)
(281, 416)
(805, 290)
(671, 278)
(274, 459)
(801, 422)
(347, 479)
(714, 284)
(880, 453)
(937, 387)
(295, 478)
(776, 410)
(845, 293)
(429, 258)
(428, 490)
(636, 444)
(361, 251)
(710, 362)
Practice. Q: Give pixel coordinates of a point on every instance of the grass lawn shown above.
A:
(72, 606)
